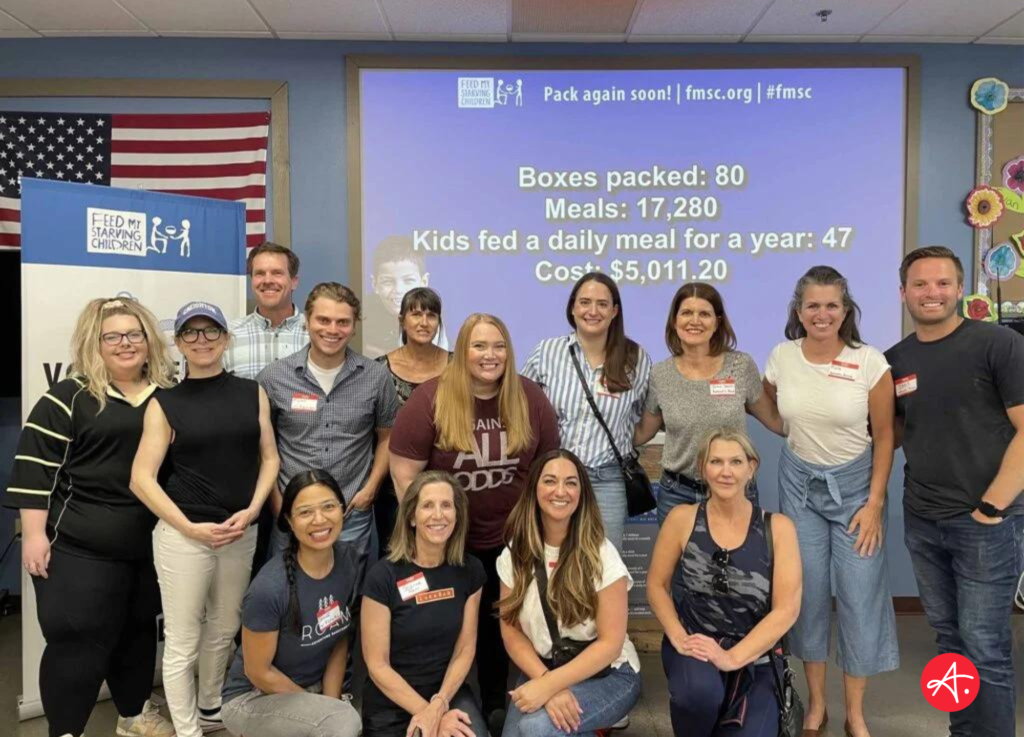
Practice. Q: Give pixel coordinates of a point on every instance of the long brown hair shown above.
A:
(620, 353)
(454, 404)
(824, 276)
(571, 589)
(402, 548)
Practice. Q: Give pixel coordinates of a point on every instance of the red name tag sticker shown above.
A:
(906, 385)
(843, 370)
(430, 596)
(303, 402)
(723, 387)
(410, 587)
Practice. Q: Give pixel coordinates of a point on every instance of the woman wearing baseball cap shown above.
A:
(214, 431)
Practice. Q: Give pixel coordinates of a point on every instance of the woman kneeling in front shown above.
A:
(286, 678)
(421, 605)
(564, 608)
(733, 610)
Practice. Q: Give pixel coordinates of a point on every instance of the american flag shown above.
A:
(223, 156)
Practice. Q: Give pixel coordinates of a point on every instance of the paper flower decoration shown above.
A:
(979, 307)
(1013, 175)
(984, 206)
(1001, 262)
(990, 95)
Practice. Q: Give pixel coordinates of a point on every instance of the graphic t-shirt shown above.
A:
(492, 476)
(325, 611)
(427, 607)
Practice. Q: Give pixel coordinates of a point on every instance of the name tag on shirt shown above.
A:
(410, 587)
(723, 387)
(906, 385)
(328, 616)
(439, 595)
(303, 402)
(601, 389)
(843, 370)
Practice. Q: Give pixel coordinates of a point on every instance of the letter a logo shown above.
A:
(950, 682)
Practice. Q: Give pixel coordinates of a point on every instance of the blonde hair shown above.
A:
(454, 403)
(729, 436)
(87, 360)
(402, 548)
(571, 589)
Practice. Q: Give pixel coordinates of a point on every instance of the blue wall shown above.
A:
(315, 72)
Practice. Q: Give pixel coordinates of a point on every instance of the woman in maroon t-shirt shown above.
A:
(484, 424)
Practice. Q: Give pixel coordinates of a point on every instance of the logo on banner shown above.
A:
(126, 233)
(489, 92)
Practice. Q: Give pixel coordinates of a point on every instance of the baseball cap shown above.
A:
(199, 309)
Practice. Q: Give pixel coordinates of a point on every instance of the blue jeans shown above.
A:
(675, 489)
(697, 694)
(604, 701)
(867, 623)
(967, 575)
(610, 490)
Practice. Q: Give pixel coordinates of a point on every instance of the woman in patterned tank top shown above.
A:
(718, 632)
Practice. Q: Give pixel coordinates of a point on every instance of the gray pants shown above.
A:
(306, 714)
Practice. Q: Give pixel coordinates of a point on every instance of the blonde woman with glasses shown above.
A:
(89, 552)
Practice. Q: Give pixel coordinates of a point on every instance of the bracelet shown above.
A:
(444, 701)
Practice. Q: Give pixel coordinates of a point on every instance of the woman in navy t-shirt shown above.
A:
(286, 678)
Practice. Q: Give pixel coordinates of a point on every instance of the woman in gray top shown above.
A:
(705, 385)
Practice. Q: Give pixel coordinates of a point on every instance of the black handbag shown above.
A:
(639, 494)
(791, 708)
(563, 649)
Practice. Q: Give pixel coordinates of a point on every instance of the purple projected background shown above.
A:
(833, 159)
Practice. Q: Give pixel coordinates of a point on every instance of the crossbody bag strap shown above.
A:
(541, 576)
(593, 404)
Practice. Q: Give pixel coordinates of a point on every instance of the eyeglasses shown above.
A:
(191, 335)
(720, 581)
(307, 514)
(133, 336)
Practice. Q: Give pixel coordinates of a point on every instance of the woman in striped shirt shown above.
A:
(86, 540)
(616, 371)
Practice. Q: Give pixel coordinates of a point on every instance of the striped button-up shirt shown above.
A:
(256, 343)
(550, 365)
(334, 431)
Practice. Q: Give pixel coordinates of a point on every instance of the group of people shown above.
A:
(500, 505)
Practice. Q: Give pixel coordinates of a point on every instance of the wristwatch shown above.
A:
(989, 511)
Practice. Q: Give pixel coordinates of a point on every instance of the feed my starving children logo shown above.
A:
(125, 233)
(489, 92)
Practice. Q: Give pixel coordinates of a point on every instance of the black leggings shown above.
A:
(491, 658)
(99, 621)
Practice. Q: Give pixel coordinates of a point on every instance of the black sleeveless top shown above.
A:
(712, 610)
(214, 458)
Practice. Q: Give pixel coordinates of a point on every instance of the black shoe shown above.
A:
(496, 722)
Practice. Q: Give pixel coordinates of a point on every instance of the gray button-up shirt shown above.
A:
(334, 431)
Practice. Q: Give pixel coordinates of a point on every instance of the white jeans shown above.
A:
(202, 592)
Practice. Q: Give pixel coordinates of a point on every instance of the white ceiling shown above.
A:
(615, 21)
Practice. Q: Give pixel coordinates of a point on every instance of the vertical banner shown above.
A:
(80, 242)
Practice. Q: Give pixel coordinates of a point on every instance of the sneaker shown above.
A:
(147, 724)
(210, 721)
(622, 723)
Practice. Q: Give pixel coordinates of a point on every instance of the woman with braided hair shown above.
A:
(287, 677)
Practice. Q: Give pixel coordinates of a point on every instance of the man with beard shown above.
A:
(960, 412)
(275, 329)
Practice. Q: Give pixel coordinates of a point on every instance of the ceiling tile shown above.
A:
(61, 15)
(1013, 28)
(572, 17)
(798, 17)
(947, 17)
(350, 18)
(1001, 40)
(698, 17)
(452, 37)
(9, 33)
(96, 34)
(657, 38)
(11, 25)
(195, 15)
(569, 37)
(446, 17)
(314, 36)
(787, 39)
(876, 39)
(216, 34)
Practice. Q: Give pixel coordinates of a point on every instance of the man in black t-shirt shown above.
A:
(960, 414)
